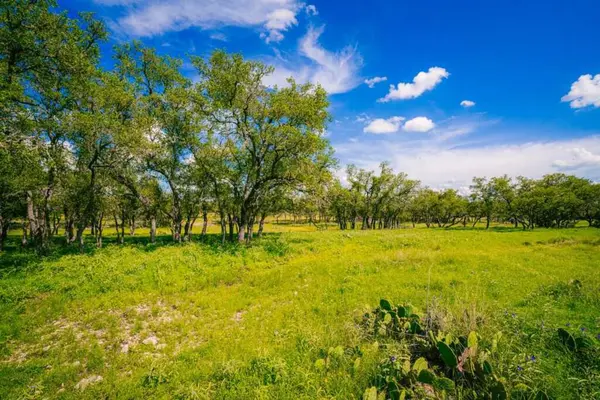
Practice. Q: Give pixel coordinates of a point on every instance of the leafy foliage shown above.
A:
(438, 364)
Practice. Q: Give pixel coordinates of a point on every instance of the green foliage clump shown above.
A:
(439, 364)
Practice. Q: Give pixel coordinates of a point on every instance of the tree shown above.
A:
(164, 98)
(271, 137)
(485, 198)
(44, 58)
(505, 192)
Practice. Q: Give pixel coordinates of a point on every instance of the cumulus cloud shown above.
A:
(337, 72)
(383, 126)
(584, 92)
(423, 82)
(371, 82)
(467, 103)
(419, 124)
(154, 17)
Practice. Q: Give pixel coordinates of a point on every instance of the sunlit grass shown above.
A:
(201, 320)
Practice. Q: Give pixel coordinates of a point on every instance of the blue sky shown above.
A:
(527, 74)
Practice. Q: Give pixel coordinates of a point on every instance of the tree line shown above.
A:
(141, 144)
(381, 200)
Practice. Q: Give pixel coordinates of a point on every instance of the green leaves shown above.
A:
(419, 365)
(446, 362)
(498, 392)
(444, 384)
(426, 376)
(447, 355)
(579, 343)
(370, 393)
(385, 305)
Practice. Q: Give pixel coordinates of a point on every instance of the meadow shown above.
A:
(281, 318)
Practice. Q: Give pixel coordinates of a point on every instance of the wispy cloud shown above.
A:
(155, 17)
(336, 71)
(218, 36)
(371, 82)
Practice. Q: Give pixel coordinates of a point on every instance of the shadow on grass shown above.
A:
(510, 228)
(14, 256)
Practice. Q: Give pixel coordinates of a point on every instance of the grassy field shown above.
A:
(201, 320)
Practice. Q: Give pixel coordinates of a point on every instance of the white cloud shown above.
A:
(337, 72)
(421, 83)
(218, 36)
(371, 82)
(467, 103)
(279, 21)
(362, 117)
(440, 164)
(419, 124)
(311, 10)
(580, 157)
(155, 17)
(383, 126)
(584, 92)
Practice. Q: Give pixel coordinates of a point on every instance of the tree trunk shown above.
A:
(99, 229)
(223, 227)
(177, 228)
(119, 238)
(186, 229)
(250, 229)
(31, 217)
(177, 218)
(230, 220)
(55, 224)
(242, 233)
(204, 223)
(153, 229)
(4, 225)
(261, 224)
(123, 219)
(69, 229)
(80, 238)
(24, 236)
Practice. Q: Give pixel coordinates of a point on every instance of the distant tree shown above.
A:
(504, 191)
(484, 198)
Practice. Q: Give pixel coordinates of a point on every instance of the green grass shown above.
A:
(200, 320)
